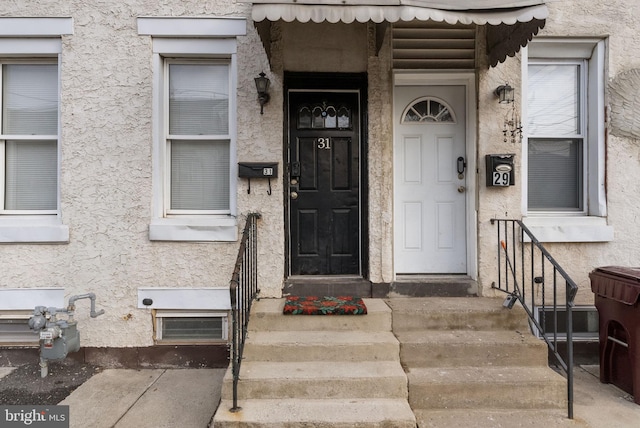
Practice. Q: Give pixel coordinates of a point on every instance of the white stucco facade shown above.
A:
(106, 156)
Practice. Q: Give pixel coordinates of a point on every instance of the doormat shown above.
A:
(313, 305)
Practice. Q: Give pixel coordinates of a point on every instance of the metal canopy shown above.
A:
(510, 24)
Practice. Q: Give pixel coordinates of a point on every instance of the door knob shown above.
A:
(294, 195)
(461, 189)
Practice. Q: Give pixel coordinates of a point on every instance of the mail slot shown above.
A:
(257, 169)
(500, 170)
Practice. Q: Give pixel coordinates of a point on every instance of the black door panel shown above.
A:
(325, 196)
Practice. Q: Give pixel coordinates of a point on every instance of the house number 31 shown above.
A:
(324, 143)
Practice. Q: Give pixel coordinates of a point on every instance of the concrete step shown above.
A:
(486, 387)
(321, 345)
(346, 380)
(456, 348)
(266, 315)
(455, 313)
(496, 418)
(306, 413)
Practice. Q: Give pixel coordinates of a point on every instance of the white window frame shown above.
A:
(191, 38)
(590, 225)
(168, 211)
(23, 39)
(161, 314)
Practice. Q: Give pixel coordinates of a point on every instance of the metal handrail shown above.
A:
(524, 260)
(243, 289)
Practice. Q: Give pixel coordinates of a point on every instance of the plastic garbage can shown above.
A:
(617, 294)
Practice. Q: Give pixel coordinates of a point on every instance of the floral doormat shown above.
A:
(313, 305)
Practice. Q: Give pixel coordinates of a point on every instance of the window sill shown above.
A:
(569, 229)
(33, 229)
(206, 229)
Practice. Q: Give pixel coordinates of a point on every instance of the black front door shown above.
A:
(324, 183)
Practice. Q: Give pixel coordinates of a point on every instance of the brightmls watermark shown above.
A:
(34, 416)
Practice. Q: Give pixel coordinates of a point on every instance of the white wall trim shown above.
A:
(569, 229)
(36, 27)
(12, 46)
(33, 229)
(192, 27)
(212, 298)
(13, 299)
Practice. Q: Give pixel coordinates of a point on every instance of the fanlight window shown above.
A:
(428, 109)
(323, 116)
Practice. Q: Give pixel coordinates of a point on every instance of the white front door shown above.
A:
(430, 180)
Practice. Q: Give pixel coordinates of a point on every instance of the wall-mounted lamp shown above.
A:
(505, 93)
(262, 86)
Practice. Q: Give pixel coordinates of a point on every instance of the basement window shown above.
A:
(585, 322)
(187, 327)
(15, 331)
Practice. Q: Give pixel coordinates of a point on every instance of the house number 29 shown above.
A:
(324, 143)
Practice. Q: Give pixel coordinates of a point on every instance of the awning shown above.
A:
(510, 23)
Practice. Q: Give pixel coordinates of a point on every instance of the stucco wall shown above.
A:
(106, 170)
(106, 179)
(614, 21)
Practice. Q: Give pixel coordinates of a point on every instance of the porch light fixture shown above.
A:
(262, 86)
(505, 93)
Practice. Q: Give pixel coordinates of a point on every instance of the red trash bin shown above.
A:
(617, 291)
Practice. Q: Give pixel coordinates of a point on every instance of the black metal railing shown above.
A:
(243, 288)
(528, 274)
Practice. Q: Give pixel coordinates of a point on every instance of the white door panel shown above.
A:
(429, 198)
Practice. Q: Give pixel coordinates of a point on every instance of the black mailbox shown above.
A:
(500, 170)
(257, 169)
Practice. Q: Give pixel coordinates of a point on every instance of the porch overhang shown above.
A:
(510, 24)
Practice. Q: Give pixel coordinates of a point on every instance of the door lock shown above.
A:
(461, 165)
(461, 189)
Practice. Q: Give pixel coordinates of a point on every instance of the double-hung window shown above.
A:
(198, 141)
(29, 137)
(564, 152)
(195, 79)
(30, 117)
(557, 130)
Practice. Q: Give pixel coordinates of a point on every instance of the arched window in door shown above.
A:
(428, 109)
(324, 116)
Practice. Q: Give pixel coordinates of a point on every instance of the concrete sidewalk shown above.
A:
(157, 398)
(187, 398)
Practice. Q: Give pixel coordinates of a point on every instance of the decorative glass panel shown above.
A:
(323, 116)
(555, 175)
(198, 99)
(200, 175)
(428, 110)
(554, 100)
(344, 118)
(304, 118)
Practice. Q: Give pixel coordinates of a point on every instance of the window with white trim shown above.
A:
(28, 137)
(30, 54)
(198, 140)
(194, 127)
(190, 327)
(563, 104)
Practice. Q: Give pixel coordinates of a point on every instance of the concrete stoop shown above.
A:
(471, 362)
(318, 371)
